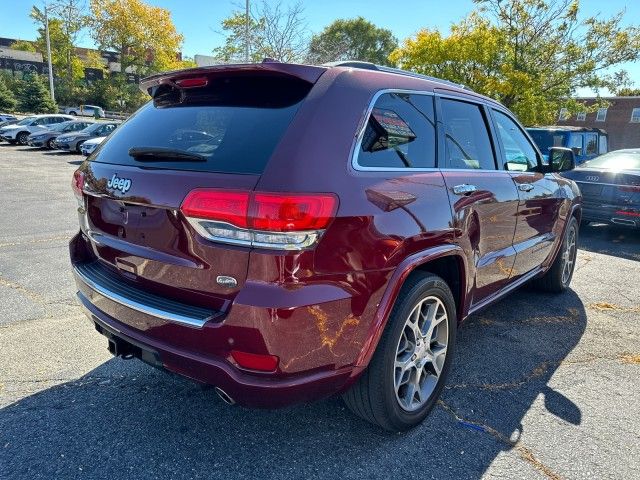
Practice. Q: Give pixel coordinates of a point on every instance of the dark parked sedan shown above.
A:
(48, 137)
(610, 186)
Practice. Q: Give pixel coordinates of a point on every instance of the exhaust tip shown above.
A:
(226, 398)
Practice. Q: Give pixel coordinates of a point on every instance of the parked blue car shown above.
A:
(586, 143)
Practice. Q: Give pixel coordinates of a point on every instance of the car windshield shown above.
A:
(92, 128)
(545, 139)
(620, 160)
(26, 121)
(59, 127)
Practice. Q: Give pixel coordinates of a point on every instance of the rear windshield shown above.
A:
(233, 124)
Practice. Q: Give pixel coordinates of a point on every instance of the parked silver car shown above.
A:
(72, 141)
(19, 132)
(88, 147)
(85, 111)
(47, 137)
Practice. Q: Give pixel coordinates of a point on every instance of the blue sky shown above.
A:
(199, 20)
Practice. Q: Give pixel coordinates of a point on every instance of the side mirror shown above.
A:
(561, 159)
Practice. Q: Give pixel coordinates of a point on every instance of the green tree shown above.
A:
(8, 101)
(274, 32)
(531, 55)
(353, 39)
(34, 97)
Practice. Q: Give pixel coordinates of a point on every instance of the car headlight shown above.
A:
(68, 139)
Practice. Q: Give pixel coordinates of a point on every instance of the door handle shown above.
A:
(525, 187)
(464, 189)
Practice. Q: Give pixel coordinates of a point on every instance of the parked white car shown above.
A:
(19, 132)
(85, 111)
(89, 146)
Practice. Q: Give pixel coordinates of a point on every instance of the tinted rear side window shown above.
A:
(400, 133)
(467, 142)
(235, 123)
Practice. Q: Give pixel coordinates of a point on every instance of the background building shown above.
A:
(621, 120)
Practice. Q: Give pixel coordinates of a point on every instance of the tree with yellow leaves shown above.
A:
(144, 36)
(531, 55)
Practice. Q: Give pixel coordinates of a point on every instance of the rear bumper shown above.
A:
(259, 391)
(318, 343)
(616, 214)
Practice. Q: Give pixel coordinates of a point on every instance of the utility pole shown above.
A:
(246, 32)
(46, 27)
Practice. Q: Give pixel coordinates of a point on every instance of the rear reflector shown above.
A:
(253, 361)
(271, 220)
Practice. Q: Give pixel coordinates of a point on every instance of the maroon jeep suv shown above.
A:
(288, 232)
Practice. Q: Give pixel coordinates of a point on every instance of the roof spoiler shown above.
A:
(308, 73)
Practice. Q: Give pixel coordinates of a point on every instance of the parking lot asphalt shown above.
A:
(543, 386)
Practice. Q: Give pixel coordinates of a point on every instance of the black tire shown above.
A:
(554, 281)
(373, 396)
(72, 113)
(21, 138)
(50, 144)
(78, 146)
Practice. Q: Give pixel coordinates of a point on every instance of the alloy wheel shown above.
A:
(569, 255)
(421, 353)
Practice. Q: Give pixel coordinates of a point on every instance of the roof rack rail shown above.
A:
(397, 71)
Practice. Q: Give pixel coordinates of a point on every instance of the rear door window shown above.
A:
(576, 143)
(603, 147)
(400, 133)
(592, 143)
(467, 141)
(232, 125)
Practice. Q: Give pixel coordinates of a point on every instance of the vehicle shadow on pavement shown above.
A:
(125, 419)
(610, 240)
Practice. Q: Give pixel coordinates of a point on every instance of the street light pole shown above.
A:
(46, 27)
(246, 32)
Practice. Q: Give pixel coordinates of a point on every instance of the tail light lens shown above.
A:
(77, 184)
(268, 220)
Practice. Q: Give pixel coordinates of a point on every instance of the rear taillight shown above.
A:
(630, 188)
(287, 221)
(77, 184)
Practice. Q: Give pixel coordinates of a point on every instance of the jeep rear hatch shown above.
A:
(210, 128)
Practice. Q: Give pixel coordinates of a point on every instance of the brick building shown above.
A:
(621, 120)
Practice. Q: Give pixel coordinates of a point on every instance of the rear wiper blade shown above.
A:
(159, 154)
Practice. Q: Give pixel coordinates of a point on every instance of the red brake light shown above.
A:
(284, 221)
(276, 212)
(192, 82)
(253, 361)
(223, 206)
(630, 188)
(77, 183)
